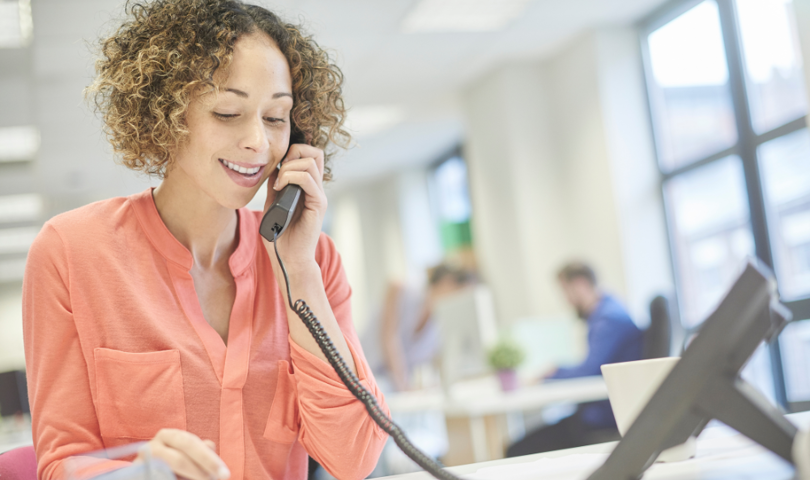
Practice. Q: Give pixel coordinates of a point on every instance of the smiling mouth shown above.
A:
(246, 172)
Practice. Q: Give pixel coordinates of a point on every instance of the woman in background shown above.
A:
(162, 316)
(404, 335)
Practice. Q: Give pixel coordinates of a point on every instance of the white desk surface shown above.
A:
(10, 442)
(722, 453)
(484, 397)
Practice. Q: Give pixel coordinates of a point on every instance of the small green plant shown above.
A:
(506, 355)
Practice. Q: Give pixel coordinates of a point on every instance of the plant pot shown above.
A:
(508, 379)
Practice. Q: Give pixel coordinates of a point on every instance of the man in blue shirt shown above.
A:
(612, 338)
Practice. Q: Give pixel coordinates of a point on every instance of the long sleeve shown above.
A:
(605, 340)
(335, 427)
(62, 410)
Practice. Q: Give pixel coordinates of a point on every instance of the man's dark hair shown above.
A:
(573, 270)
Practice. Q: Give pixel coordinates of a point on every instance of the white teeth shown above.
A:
(242, 170)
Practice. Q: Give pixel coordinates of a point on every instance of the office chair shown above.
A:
(18, 464)
(658, 336)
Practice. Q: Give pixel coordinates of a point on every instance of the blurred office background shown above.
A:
(663, 141)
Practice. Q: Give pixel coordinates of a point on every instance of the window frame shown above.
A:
(745, 148)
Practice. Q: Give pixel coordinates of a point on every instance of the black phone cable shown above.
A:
(351, 381)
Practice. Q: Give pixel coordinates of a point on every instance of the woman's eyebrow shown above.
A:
(245, 95)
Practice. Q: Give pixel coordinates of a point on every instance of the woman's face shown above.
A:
(239, 134)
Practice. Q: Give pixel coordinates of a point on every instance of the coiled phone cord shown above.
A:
(351, 381)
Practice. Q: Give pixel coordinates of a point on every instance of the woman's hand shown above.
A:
(187, 455)
(303, 166)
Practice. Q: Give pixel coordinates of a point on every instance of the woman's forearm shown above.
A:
(306, 283)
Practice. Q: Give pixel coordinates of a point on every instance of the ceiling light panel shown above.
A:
(20, 208)
(18, 143)
(462, 15)
(16, 24)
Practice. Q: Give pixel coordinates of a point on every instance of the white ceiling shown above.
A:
(423, 73)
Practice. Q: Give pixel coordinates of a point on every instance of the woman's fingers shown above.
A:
(188, 455)
(180, 463)
(309, 165)
(303, 172)
(301, 150)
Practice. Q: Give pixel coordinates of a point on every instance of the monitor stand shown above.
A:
(705, 384)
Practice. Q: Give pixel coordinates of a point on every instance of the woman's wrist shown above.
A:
(302, 275)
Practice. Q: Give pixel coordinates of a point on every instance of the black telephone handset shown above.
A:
(281, 212)
(273, 224)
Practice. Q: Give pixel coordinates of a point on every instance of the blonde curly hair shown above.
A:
(166, 50)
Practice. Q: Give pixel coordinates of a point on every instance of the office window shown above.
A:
(452, 201)
(728, 105)
(774, 78)
(795, 343)
(689, 87)
(711, 233)
(785, 165)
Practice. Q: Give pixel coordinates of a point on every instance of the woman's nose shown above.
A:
(254, 136)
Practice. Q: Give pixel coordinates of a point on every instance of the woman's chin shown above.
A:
(235, 200)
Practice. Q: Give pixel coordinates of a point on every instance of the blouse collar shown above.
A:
(171, 248)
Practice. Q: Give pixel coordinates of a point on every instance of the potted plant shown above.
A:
(504, 357)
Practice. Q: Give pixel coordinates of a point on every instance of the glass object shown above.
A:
(785, 166)
(711, 233)
(693, 115)
(795, 345)
(773, 62)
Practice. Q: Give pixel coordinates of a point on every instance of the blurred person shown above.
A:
(162, 316)
(404, 335)
(612, 337)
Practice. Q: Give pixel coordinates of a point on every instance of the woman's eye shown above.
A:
(224, 115)
(273, 120)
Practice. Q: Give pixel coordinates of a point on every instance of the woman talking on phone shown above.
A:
(162, 316)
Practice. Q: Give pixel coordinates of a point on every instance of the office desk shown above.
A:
(474, 401)
(722, 454)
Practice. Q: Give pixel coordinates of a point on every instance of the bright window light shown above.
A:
(16, 24)
(688, 51)
(20, 208)
(17, 240)
(767, 36)
(454, 199)
(462, 15)
(18, 143)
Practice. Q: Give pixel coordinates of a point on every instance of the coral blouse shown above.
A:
(117, 348)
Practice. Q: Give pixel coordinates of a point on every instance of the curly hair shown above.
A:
(166, 50)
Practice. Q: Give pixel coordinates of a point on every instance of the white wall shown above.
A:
(634, 172)
(518, 212)
(562, 166)
(386, 233)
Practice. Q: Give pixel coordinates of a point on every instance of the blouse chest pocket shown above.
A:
(137, 394)
(283, 423)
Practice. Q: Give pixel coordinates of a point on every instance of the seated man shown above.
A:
(612, 338)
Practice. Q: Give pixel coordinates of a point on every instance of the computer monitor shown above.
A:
(467, 324)
(705, 384)
(13, 393)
